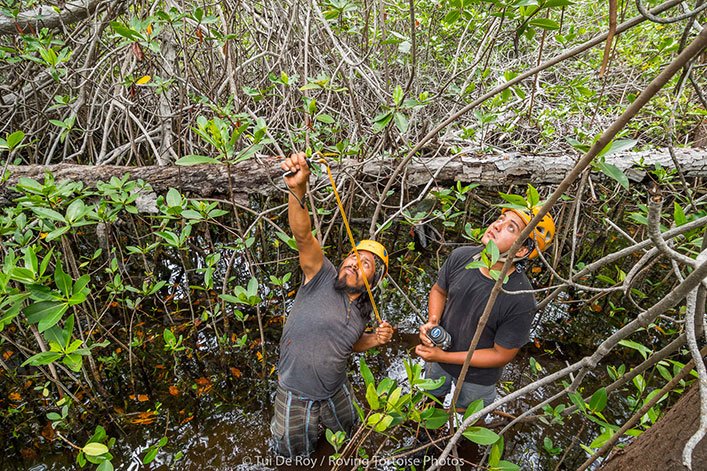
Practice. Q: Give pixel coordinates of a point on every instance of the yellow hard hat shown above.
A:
(543, 233)
(377, 249)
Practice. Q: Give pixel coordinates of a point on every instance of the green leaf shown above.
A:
(398, 95)
(366, 373)
(452, 16)
(59, 123)
(579, 146)
(43, 358)
(171, 238)
(81, 283)
(598, 401)
(290, 241)
(434, 418)
(252, 286)
(230, 299)
(150, 455)
(310, 86)
(196, 160)
(515, 200)
(383, 423)
(429, 384)
(533, 196)
(47, 213)
(601, 439)
(473, 408)
(678, 214)
(504, 465)
(496, 453)
(372, 396)
(612, 171)
(75, 210)
(481, 435)
(380, 122)
(173, 198)
(617, 146)
(325, 118)
(126, 33)
(45, 313)
(385, 386)
(62, 280)
(73, 361)
(401, 122)
(94, 449)
(392, 400)
(330, 437)
(545, 23)
(642, 349)
(577, 400)
(23, 275)
(14, 139)
(56, 233)
(105, 466)
(558, 3)
(493, 251)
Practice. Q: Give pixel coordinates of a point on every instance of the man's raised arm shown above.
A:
(311, 257)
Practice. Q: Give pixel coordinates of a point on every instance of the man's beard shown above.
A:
(340, 285)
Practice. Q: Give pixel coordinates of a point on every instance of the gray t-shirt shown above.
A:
(318, 337)
(467, 294)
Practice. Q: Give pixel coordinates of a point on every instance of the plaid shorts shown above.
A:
(297, 419)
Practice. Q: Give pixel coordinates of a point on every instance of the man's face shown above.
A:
(350, 275)
(504, 231)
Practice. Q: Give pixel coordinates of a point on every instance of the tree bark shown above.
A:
(47, 16)
(660, 447)
(262, 175)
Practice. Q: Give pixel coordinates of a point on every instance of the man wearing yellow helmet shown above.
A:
(324, 326)
(457, 301)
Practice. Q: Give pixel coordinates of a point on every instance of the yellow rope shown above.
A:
(351, 239)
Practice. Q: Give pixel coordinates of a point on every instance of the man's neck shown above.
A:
(497, 266)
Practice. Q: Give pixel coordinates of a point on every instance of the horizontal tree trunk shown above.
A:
(47, 16)
(504, 169)
(263, 175)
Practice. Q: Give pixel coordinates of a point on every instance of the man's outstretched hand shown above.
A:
(384, 333)
(297, 164)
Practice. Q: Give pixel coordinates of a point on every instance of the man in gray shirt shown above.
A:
(457, 302)
(325, 325)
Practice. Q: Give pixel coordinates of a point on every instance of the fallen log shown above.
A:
(47, 16)
(263, 175)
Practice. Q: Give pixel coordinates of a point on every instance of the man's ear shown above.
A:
(522, 252)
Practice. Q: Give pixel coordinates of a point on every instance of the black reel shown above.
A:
(440, 337)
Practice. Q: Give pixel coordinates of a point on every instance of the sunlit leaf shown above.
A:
(598, 401)
(434, 418)
(95, 449)
(614, 172)
(43, 358)
(365, 372)
(481, 435)
(545, 23)
(372, 396)
(46, 313)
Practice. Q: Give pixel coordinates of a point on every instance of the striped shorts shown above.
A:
(295, 424)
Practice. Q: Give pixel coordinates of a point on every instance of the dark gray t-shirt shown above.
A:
(318, 337)
(467, 294)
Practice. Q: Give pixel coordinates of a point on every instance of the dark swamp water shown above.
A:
(214, 404)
